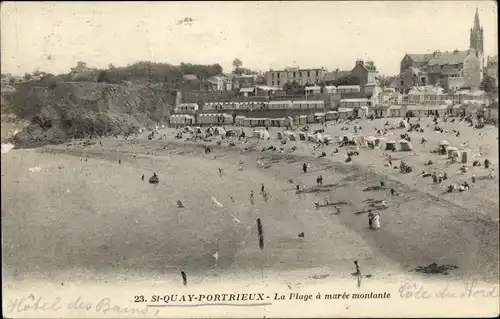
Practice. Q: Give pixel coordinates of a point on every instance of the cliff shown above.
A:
(83, 109)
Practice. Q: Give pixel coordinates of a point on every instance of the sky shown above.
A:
(54, 36)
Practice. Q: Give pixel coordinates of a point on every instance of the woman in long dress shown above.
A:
(376, 221)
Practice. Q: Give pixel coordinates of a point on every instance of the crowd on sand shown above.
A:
(410, 124)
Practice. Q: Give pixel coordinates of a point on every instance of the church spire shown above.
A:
(476, 35)
(476, 20)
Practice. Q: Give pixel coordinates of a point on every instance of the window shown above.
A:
(278, 75)
(317, 73)
(308, 73)
(402, 83)
(294, 74)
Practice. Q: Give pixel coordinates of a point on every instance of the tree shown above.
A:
(488, 84)
(27, 76)
(385, 81)
(111, 66)
(293, 88)
(103, 77)
(347, 80)
(237, 63)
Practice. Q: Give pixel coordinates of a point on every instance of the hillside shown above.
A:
(85, 109)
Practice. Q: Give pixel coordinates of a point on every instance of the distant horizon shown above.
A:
(264, 35)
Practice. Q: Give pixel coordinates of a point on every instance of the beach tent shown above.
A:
(370, 140)
(379, 140)
(302, 136)
(465, 156)
(290, 135)
(327, 137)
(220, 131)
(444, 143)
(360, 140)
(280, 135)
(405, 146)
(390, 145)
(264, 135)
(318, 137)
(453, 152)
(310, 137)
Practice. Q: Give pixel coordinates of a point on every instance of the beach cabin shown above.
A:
(453, 110)
(247, 122)
(312, 90)
(381, 110)
(405, 146)
(279, 105)
(320, 117)
(437, 109)
(348, 89)
(239, 120)
(207, 119)
(187, 107)
(282, 122)
(390, 145)
(344, 113)
(332, 115)
(182, 119)
(290, 135)
(363, 112)
(268, 121)
(227, 119)
(302, 120)
(279, 135)
(396, 111)
(311, 118)
(453, 152)
(302, 136)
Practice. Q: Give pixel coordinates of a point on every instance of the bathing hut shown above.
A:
(344, 113)
(390, 145)
(405, 146)
(311, 118)
(302, 136)
(280, 135)
(310, 137)
(465, 156)
(370, 141)
(302, 120)
(453, 152)
(319, 117)
(332, 115)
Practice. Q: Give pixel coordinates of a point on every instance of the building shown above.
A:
(445, 68)
(240, 81)
(301, 76)
(220, 83)
(366, 72)
(354, 103)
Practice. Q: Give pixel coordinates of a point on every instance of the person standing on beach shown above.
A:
(251, 197)
(304, 168)
(262, 189)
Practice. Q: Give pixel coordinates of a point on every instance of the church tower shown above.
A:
(477, 41)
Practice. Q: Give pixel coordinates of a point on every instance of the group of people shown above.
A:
(374, 220)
